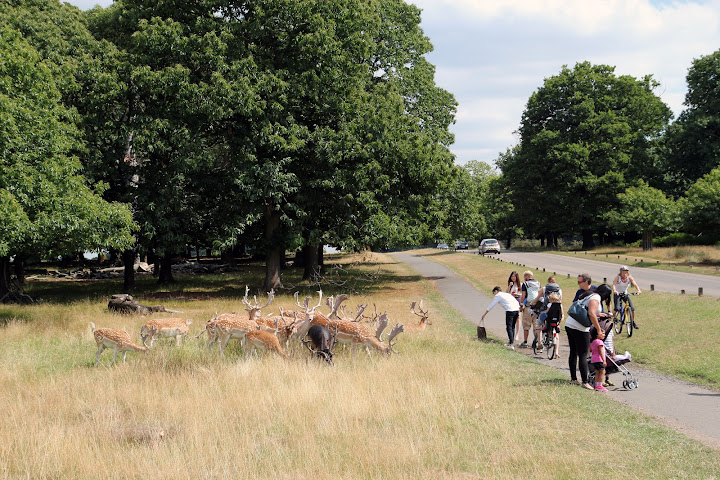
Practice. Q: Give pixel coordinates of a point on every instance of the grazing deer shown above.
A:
(424, 318)
(322, 341)
(264, 341)
(230, 325)
(165, 327)
(118, 340)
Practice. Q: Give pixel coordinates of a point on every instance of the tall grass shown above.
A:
(446, 407)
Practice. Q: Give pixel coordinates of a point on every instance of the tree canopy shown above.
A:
(585, 136)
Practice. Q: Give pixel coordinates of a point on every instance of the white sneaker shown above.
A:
(629, 357)
(510, 346)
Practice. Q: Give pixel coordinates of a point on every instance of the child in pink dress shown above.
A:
(597, 352)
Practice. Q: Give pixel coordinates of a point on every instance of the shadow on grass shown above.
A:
(354, 280)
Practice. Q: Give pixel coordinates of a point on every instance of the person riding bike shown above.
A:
(620, 285)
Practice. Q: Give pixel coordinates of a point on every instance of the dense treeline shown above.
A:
(270, 125)
(599, 157)
(148, 128)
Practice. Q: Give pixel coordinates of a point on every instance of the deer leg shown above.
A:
(115, 352)
(367, 350)
(97, 354)
(124, 355)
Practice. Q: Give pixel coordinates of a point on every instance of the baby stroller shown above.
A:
(615, 366)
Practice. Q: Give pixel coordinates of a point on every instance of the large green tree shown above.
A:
(585, 136)
(701, 206)
(645, 209)
(47, 207)
(692, 143)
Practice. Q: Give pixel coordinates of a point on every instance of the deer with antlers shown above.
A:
(165, 327)
(230, 325)
(354, 332)
(323, 342)
(424, 318)
(118, 340)
(255, 308)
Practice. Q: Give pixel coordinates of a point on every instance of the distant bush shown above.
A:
(678, 239)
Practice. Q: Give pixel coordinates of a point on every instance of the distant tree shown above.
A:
(645, 209)
(585, 135)
(692, 143)
(701, 206)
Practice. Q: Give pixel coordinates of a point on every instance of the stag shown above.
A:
(424, 317)
(322, 342)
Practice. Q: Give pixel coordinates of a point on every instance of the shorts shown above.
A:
(598, 366)
(527, 318)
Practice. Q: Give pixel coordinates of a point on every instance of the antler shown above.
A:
(397, 330)
(382, 323)
(359, 314)
(253, 309)
(334, 304)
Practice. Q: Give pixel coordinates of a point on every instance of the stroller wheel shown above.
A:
(625, 385)
(634, 384)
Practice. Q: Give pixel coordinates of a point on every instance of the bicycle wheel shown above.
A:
(617, 321)
(551, 350)
(629, 322)
(537, 344)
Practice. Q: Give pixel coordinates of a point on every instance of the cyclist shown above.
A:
(620, 284)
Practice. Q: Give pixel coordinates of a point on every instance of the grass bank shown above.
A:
(678, 334)
(446, 407)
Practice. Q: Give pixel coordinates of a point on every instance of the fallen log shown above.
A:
(125, 304)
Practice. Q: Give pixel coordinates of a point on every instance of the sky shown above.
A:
(493, 54)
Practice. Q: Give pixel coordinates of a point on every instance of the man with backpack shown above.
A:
(530, 291)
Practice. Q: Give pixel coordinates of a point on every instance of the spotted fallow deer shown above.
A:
(230, 325)
(118, 340)
(260, 339)
(210, 331)
(165, 327)
(424, 318)
(254, 310)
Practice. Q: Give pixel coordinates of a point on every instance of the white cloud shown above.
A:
(493, 54)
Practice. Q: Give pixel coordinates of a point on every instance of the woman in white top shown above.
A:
(621, 283)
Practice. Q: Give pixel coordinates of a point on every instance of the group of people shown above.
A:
(539, 307)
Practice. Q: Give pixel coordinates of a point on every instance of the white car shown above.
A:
(443, 246)
(489, 245)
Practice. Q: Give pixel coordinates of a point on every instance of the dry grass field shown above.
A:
(445, 407)
(678, 334)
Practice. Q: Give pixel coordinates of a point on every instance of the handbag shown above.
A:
(579, 312)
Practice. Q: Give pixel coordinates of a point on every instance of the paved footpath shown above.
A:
(689, 409)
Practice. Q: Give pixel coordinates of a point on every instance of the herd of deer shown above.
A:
(318, 332)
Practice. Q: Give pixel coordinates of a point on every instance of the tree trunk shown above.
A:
(588, 242)
(647, 240)
(129, 272)
(312, 270)
(509, 242)
(542, 241)
(272, 259)
(4, 278)
(19, 265)
(165, 274)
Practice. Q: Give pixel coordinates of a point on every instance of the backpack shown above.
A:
(550, 288)
(579, 312)
(532, 287)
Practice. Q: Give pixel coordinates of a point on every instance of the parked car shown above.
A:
(461, 245)
(489, 245)
(443, 246)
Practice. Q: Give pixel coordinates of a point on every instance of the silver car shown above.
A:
(489, 245)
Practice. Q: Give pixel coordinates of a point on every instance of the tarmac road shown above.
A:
(664, 280)
(689, 409)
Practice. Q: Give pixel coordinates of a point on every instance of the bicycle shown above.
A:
(549, 342)
(623, 316)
